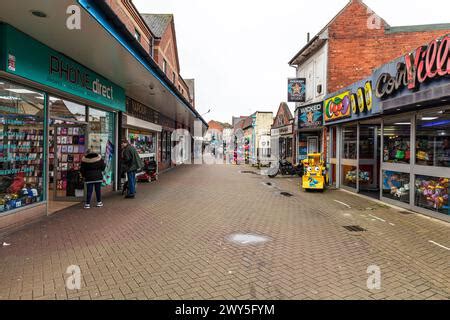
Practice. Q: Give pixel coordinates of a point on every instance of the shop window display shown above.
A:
(432, 193)
(433, 138)
(397, 145)
(349, 176)
(396, 186)
(143, 142)
(21, 147)
(101, 140)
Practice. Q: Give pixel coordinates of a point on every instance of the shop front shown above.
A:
(284, 137)
(389, 136)
(353, 138)
(52, 110)
(309, 134)
(140, 127)
(414, 94)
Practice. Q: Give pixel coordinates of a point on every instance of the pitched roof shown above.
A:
(283, 109)
(157, 23)
(248, 122)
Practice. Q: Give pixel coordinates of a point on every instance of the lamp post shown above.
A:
(205, 113)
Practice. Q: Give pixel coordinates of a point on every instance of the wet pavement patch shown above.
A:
(247, 239)
(269, 183)
(286, 194)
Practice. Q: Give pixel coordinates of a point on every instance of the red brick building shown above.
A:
(348, 49)
(165, 51)
(156, 34)
(359, 41)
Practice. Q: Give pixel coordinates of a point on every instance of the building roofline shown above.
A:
(417, 28)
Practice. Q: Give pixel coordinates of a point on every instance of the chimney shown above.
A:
(308, 36)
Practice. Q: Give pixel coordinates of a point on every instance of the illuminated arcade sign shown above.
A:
(362, 100)
(338, 107)
(425, 63)
(357, 101)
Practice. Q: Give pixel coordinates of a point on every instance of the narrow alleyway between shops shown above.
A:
(218, 232)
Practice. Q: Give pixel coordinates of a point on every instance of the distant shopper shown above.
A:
(131, 163)
(92, 167)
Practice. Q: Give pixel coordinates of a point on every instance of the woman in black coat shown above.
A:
(92, 167)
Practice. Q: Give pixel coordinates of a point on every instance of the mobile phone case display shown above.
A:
(396, 186)
(70, 148)
(22, 162)
(432, 193)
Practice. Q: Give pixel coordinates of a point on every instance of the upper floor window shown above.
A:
(137, 35)
(165, 66)
(151, 48)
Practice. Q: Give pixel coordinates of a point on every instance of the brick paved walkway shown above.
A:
(171, 243)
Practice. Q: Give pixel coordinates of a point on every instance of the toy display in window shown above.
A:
(364, 177)
(397, 150)
(432, 193)
(396, 185)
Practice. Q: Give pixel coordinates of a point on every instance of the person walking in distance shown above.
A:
(92, 167)
(131, 164)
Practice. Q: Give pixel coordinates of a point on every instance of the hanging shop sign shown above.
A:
(338, 107)
(425, 64)
(297, 90)
(310, 116)
(30, 59)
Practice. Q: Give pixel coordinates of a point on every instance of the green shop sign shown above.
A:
(25, 57)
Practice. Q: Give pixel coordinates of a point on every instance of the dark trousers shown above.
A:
(131, 175)
(90, 189)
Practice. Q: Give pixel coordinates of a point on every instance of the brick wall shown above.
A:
(355, 50)
(131, 19)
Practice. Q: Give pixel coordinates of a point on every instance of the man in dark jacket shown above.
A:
(92, 167)
(131, 163)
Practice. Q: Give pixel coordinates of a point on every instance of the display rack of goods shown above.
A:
(21, 165)
(70, 148)
(432, 193)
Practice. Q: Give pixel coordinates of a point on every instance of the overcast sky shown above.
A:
(238, 50)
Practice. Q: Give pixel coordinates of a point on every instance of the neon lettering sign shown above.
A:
(425, 63)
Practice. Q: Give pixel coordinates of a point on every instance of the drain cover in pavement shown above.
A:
(247, 239)
(355, 228)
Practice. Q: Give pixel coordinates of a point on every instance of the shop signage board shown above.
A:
(425, 64)
(141, 111)
(282, 130)
(418, 76)
(310, 116)
(297, 90)
(357, 102)
(30, 59)
(338, 107)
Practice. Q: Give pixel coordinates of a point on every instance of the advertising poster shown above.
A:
(310, 116)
